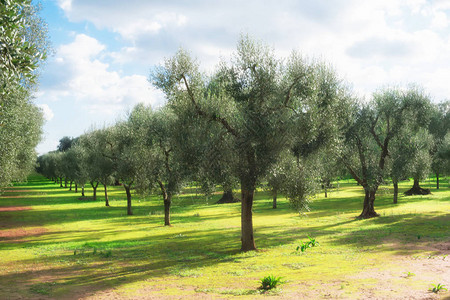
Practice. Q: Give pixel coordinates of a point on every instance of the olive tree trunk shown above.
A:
(106, 195)
(127, 190)
(395, 191)
(274, 199)
(368, 206)
(94, 187)
(247, 238)
(416, 189)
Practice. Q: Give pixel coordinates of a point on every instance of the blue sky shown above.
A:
(104, 50)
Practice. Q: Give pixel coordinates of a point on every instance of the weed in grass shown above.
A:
(409, 274)
(437, 288)
(43, 288)
(185, 272)
(270, 282)
(309, 244)
(106, 253)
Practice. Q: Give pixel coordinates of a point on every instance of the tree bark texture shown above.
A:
(368, 207)
(395, 191)
(416, 189)
(106, 195)
(82, 191)
(247, 239)
(76, 187)
(127, 190)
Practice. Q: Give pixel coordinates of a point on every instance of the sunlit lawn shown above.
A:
(64, 247)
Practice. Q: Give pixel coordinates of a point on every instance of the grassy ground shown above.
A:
(55, 246)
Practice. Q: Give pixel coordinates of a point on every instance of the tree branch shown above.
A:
(200, 112)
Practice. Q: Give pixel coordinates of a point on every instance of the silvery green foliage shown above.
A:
(23, 46)
(20, 132)
(158, 135)
(23, 42)
(259, 104)
(376, 129)
(439, 128)
(98, 161)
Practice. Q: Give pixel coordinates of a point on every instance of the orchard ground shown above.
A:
(55, 246)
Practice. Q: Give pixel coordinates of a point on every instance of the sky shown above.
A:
(104, 50)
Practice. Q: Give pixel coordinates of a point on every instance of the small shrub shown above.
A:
(410, 274)
(270, 282)
(437, 288)
(309, 244)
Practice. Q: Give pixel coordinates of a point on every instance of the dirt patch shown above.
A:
(15, 235)
(14, 208)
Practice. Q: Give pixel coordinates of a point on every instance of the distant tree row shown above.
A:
(292, 124)
(23, 48)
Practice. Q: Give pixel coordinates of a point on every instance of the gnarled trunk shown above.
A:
(106, 195)
(247, 238)
(228, 197)
(368, 207)
(395, 190)
(416, 189)
(127, 190)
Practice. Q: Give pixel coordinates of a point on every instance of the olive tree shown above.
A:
(439, 128)
(371, 131)
(23, 47)
(257, 101)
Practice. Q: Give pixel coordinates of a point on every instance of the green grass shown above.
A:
(63, 247)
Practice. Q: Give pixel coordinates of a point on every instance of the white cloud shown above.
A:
(48, 113)
(89, 80)
(370, 42)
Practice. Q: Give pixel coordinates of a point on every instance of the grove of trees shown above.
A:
(291, 125)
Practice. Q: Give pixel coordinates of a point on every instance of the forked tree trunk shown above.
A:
(167, 203)
(106, 195)
(274, 199)
(368, 207)
(395, 191)
(127, 190)
(437, 180)
(65, 183)
(247, 239)
(416, 189)
(94, 187)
